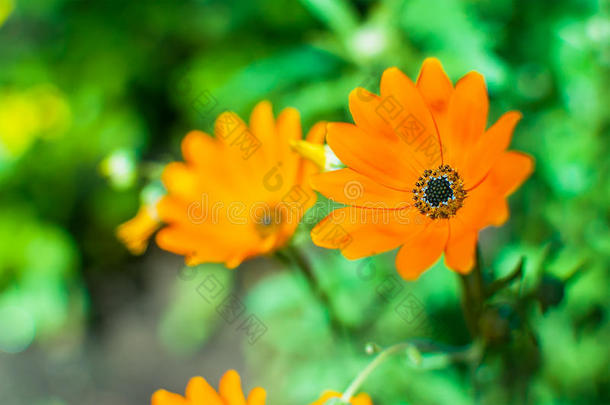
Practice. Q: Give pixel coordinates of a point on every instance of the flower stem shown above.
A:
(473, 296)
(467, 354)
(304, 265)
(363, 375)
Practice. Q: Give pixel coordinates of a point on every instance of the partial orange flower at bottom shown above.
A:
(199, 392)
(360, 399)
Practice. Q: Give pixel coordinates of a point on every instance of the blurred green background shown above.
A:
(96, 96)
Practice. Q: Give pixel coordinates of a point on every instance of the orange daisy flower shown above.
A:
(360, 399)
(199, 392)
(240, 194)
(423, 172)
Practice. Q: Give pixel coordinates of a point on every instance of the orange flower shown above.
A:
(240, 194)
(199, 392)
(360, 399)
(423, 172)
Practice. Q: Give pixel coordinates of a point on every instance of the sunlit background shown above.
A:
(95, 97)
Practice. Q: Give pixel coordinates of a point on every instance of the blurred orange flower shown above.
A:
(360, 399)
(240, 194)
(423, 172)
(199, 392)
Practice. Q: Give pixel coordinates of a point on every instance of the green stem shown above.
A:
(363, 375)
(467, 354)
(473, 296)
(303, 264)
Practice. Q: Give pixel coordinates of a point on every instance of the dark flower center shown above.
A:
(439, 193)
(268, 219)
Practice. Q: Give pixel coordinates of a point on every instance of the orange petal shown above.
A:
(136, 232)
(180, 181)
(289, 129)
(362, 232)
(317, 133)
(486, 204)
(231, 220)
(326, 395)
(230, 389)
(198, 391)
(361, 399)
(482, 207)
(180, 241)
(422, 250)
(405, 106)
(373, 156)
(510, 171)
(198, 148)
(241, 148)
(262, 125)
(257, 396)
(200, 247)
(468, 109)
(367, 110)
(436, 88)
(375, 116)
(307, 168)
(460, 253)
(490, 147)
(163, 397)
(349, 187)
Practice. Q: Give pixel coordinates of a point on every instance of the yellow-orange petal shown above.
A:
(181, 181)
(198, 148)
(240, 149)
(460, 252)
(195, 247)
(136, 232)
(163, 397)
(375, 157)
(468, 110)
(361, 399)
(257, 396)
(262, 125)
(490, 147)
(359, 232)
(289, 130)
(422, 250)
(230, 389)
(198, 391)
(228, 125)
(349, 187)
